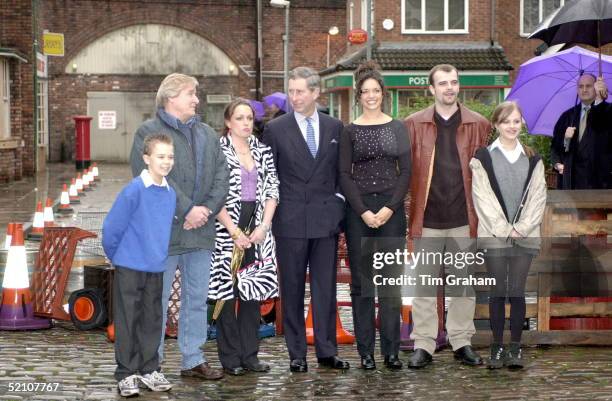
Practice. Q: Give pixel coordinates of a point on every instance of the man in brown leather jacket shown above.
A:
(444, 137)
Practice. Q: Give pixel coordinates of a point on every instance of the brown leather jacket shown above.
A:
(473, 133)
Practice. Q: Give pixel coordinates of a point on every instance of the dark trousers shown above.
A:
(238, 333)
(510, 273)
(138, 321)
(362, 286)
(319, 255)
(238, 330)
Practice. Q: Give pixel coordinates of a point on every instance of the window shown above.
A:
(435, 16)
(42, 115)
(534, 11)
(364, 15)
(5, 99)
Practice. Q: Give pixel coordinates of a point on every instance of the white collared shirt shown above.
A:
(511, 155)
(147, 180)
(301, 122)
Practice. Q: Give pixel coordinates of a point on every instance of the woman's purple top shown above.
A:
(249, 184)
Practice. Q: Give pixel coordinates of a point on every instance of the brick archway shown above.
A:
(205, 30)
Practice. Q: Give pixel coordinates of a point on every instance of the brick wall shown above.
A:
(230, 25)
(15, 32)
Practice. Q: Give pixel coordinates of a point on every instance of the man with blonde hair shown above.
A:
(200, 179)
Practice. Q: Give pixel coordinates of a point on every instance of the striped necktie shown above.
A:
(310, 137)
(583, 122)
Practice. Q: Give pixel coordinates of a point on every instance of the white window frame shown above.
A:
(364, 15)
(43, 112)
(522, 32)
(5, 97)
(445, 31)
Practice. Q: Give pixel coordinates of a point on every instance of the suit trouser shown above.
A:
(461, 307)
(138, 321)
(362, 286)
(319, 256)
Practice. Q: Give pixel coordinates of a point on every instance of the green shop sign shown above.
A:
(343, 81)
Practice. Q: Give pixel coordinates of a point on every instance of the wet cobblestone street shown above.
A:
(83, 364)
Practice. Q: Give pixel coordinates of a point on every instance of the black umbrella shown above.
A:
(578, 21)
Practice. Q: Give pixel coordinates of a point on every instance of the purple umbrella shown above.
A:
(278, 99)
(259, 109)
(546, 85)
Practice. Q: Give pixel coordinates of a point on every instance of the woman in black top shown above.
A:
(374, 175)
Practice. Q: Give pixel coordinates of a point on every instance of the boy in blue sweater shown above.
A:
(135, 237)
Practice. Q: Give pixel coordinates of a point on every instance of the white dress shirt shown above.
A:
(303, 124)
(511, 155)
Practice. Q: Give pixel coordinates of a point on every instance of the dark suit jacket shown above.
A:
(586, 163)
(308, 206)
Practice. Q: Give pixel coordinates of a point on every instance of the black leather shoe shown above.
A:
(334, 362)
(393, 362)
(367, 362)
(237, 371)
(298, 365)
(257, 367)
(468, 356)
(419, 359)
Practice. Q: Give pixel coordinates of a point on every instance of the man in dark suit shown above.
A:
(306, 223)
(580, 149)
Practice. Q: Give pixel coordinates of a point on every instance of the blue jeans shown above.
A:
(193, 317)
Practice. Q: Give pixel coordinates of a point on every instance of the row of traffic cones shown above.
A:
(70, 195)
(342, 335)
(16, 309)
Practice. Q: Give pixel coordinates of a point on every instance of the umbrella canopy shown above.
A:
(278, 99)
(579, 21)
(259, 109)
(546, 85)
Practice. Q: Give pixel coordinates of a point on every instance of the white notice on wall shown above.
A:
(107, 119)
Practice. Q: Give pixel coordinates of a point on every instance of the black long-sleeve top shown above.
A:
(375, 159)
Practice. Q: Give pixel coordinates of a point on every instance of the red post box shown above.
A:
(82, 129)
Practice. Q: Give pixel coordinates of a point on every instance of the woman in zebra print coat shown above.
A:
(250, 204)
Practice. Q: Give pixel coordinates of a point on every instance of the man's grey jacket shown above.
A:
(210, 191)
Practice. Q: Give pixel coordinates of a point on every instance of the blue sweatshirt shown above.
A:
(136, 231)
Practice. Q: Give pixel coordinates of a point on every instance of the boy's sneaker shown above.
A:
(498, 357)
(514, 360)
(156, 381)
(128, 387)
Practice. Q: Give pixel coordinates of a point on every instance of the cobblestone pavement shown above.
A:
(81, 364)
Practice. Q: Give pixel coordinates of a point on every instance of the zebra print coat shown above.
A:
(257, 281)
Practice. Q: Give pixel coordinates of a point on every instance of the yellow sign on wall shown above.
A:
(53, 44)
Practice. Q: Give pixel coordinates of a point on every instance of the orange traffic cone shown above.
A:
(79, 184)
(342, 336)
(92, 181)
(86, 180)
(38, 225)
(73, 194)
(16, 311)
(64, 206)
(9, 234)
(48, 214)
(95, 172)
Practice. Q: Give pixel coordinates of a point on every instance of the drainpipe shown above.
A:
(259, 51)
(35, 79)
(492, 34)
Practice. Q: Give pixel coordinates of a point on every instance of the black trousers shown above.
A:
(238, 322)
(138, 321)
(319, 255)
(510, 272)
(362, 286)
